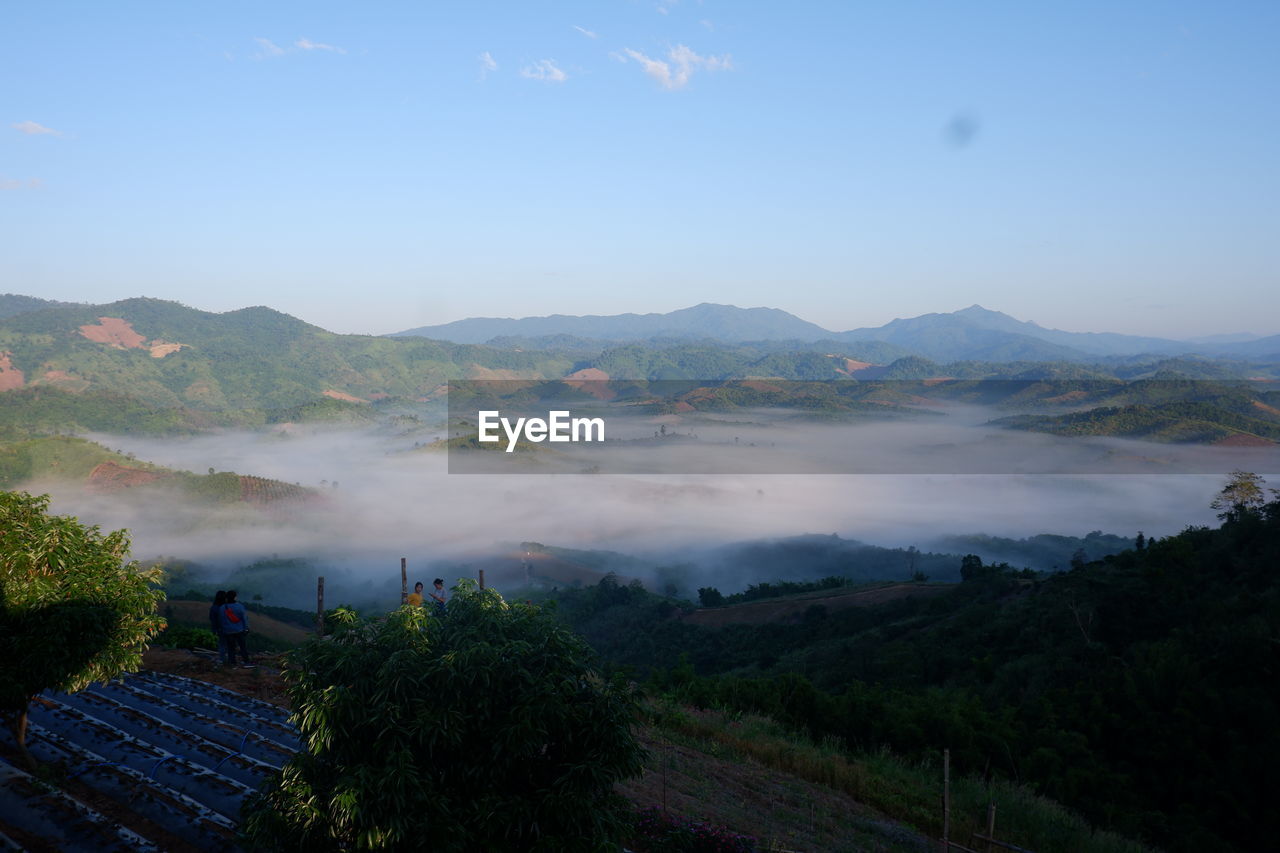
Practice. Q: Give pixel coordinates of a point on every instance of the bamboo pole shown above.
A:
(320, 606)
(946, 799)
(482, 578)
(404, 582)
(991, 824)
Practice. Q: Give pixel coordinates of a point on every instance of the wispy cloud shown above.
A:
(487, 64)
(305, 43)
(32, 129)
(10, 184)
(674, 72)
(545, 70)
(588, 33)
(267, 48)
(664, 6)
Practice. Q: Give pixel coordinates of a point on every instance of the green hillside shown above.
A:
(254, 358)
(1140, 689)
(1182, 422)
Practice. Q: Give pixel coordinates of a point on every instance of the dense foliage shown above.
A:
(484, 728)
(73, 610)
(1140, 689)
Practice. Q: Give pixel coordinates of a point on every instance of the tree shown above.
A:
(970, 567)
(709, 596)
(72, 610)
(484, 728)
(1242, 494)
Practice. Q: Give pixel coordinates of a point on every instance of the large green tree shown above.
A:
(482, 728)
(73, 609)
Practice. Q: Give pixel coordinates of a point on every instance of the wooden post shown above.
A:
(991, 824)
(404, 582)
(482, 578)
(320, 606)
(946, 799)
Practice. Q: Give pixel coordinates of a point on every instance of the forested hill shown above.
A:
(168, 355)
(1142, 689)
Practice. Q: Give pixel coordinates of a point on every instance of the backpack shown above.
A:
(230, 614)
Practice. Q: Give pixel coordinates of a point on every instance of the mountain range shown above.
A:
(974, 333)
(151, 365)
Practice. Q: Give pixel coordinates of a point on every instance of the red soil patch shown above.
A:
(593, 381)
(792, 608)
(338, 395)
(938, 380)
(682, 406)
(757, 385)
(593, 374)
(159, 349)
(114, 332)
(476, 371)
(1241, 439)
(112, 477)
(1271, 410)
(10, 376)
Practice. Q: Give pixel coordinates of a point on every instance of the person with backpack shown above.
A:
(215, 624)
(235, 626)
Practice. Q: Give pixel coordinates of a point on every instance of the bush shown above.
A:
(484, 728)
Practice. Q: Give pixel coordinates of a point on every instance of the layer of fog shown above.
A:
(380, 499)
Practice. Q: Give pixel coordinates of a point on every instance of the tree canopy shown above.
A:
(483, 728)
(73, 610)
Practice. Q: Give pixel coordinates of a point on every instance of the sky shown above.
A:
(373, 167)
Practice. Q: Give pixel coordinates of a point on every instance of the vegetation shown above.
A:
(489, 716)
(1135, 689)
(72, 609)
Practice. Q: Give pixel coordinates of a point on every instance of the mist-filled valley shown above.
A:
(374, 495)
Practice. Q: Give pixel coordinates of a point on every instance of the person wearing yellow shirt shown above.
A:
(415, 598)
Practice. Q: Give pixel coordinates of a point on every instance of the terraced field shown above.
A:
(152, 762)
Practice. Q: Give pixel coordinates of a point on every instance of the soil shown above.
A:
(114, 332)
(263, 683)
(339, 395)
(112, 477)
(10, 376)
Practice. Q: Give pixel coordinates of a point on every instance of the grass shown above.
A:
(904, 791)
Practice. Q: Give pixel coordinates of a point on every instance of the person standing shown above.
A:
(215, 624)
(438, 595)
(235, 626)
(415, 597)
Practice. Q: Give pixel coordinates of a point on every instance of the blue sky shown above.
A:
(377, 166)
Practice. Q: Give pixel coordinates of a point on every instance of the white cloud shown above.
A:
(544, 69)
(7, 184)
(268, 49)
(585, 32)
(681, 62)
(487, 64)
(664, 6)
(305, 43)
(32, 129)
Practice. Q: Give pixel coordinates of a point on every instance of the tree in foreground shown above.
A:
(484, 728)
(73, 610)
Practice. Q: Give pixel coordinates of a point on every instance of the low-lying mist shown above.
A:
(380, 498)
